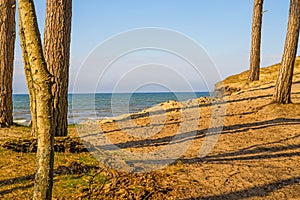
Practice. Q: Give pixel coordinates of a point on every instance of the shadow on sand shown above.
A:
(257, 191)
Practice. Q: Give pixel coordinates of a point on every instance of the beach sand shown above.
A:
(238, 146)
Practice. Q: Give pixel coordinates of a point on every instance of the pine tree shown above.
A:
(256, 41)
(57, 37)
(282, 94)
(7, 45)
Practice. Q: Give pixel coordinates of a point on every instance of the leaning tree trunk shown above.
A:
(41, 78)
(7, 45)
(30, 86)
(57, 55)
(282, 94)
(256, 41)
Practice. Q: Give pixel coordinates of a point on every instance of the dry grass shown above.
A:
(267, 75)
(17, 173)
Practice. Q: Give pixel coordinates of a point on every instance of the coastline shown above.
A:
(84, 107)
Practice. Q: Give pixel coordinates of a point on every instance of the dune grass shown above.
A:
(267, 75)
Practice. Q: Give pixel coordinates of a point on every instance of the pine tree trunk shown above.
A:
(256, 41)
(42, 89)
(282, 94)
(57, 55)
(7, 45)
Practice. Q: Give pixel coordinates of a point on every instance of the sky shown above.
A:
(102, 29)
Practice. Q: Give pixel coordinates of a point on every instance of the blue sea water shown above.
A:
(84, 107)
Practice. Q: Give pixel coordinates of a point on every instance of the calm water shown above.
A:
(84, 107)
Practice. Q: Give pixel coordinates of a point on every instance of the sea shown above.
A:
(84, 107)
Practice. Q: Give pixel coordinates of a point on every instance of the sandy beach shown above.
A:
(251, 149)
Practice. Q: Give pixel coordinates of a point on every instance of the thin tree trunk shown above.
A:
(7, 45)
(42, 86)
(57, 55)
(30, 86)
(282, 94)
(256, 41)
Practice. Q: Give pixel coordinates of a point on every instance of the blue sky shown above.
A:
(222, 28)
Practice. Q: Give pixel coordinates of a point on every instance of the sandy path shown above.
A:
(256, 155)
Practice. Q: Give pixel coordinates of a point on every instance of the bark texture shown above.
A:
(57, 55)
(282, 94)
(256, 41)
(7, 45)
(42, 89)
(29, 80)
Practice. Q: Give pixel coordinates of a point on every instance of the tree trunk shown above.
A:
(57, 55)
(30, 86)
(256, 41)
(42, 89)
(282, 94)
(7, 45)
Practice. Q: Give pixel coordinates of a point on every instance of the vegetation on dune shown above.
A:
(267, 75)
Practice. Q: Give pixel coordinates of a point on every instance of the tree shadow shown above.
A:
(17, 180)
(257, 191)
(254, 149)
(260, 125)
(130, 127)
(23, 187)
(240, 158)
(73, 168)
(183, 137)
(256, 154)
(257, 88)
